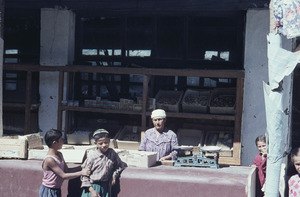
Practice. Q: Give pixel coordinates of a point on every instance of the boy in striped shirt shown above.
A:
(105, 166)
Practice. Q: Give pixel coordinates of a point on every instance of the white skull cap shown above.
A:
(98, 131)
(158, 113)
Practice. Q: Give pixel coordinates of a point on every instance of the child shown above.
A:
(294, 181)
(260, 161)
(54, 166)
(105, 166)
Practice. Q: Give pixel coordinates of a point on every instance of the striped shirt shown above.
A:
(103, 166)
(162, 144)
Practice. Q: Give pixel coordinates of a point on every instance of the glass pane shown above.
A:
(11, 85)
(89, 52)
(11, 51)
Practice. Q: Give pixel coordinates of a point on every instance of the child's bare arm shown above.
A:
(52, 165)
(72, 169)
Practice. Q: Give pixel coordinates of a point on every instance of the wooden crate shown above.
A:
(195, 101)
(137, 107)
(128, 138)
(79, 138)
(126, 104)
(13, 147)
(223, 139)
(169, 100)
(190, 137)
(222, 101)
(17, 146)
(150, 103)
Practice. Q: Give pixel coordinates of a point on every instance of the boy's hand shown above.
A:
(94, 193)
(113, 181)
(85, 172)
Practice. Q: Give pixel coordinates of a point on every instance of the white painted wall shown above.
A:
(57, 49)
(256, 71)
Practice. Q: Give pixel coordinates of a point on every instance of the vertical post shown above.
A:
(60, 97)
(57, 49)
(275, 123)
(27, 126)
(144, 107)
(1, 65)
(238, 119)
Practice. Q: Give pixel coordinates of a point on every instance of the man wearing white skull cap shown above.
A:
(159, 139)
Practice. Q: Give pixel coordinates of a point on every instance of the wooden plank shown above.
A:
(238, 118)
(20, 106)
(60, 97)
(145, 96)
(200, 116)
(130, 5)
(27, 125)
(122, 70)
(229, 161)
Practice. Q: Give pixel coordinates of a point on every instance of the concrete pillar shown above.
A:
(256, 71)
(1, 64)
(57, 49)
(1, 85)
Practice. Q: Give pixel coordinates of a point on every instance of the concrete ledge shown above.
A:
(24, 177)
(187, 181)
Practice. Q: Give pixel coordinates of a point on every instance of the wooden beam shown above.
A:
(122, 70)
(60, 97)
(27, 127)
(131, 5)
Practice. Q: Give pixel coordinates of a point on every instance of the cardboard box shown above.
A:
(150, 103)
(128, 138)
(190, 137)
(35, 141)
(79, 137)
(136, 158)
(72, 154)
(195, 101)
(137, 107)
(126, 104)
(169, 100)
